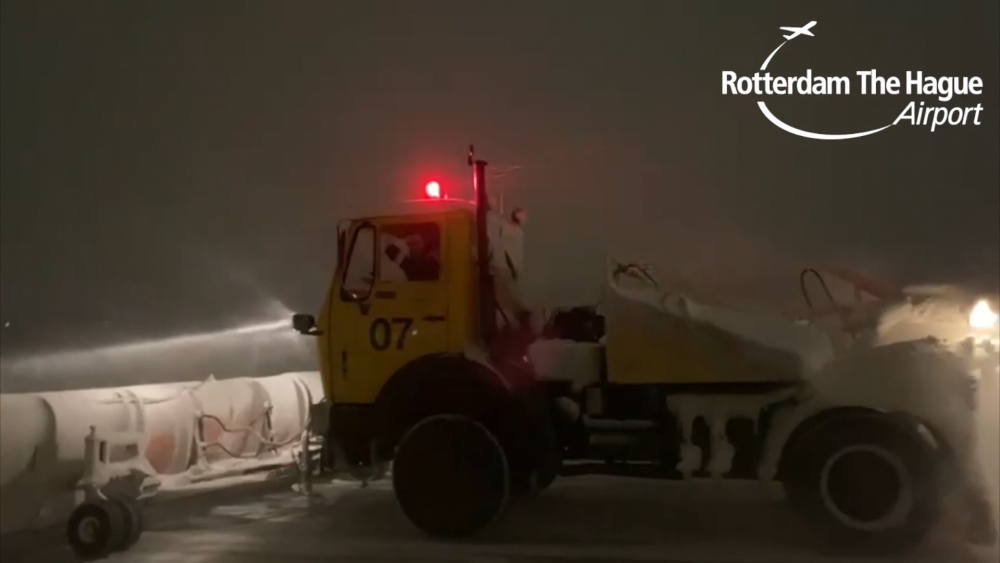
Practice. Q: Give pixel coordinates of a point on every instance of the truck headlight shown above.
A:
(982, 316)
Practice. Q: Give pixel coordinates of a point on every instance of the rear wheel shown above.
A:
(451, 476)
(868, 485)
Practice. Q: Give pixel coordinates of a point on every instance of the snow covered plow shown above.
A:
(868, 419)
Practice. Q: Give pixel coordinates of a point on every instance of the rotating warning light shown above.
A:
(433, 190)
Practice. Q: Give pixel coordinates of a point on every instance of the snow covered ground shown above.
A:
(580, 519)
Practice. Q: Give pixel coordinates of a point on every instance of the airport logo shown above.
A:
(870, 83)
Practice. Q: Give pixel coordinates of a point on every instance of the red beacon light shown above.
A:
(433, 190)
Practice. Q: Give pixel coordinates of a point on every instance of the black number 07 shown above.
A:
(380, 332)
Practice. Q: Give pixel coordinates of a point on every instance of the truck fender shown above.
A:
(434, 384)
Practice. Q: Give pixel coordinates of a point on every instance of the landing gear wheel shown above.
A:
(867, 485)
(451, 476)
(134, 522)
(95, 529)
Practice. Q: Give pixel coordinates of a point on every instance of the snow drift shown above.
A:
(185, 431)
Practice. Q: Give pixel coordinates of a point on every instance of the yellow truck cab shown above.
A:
(398, 295)
(423, 369)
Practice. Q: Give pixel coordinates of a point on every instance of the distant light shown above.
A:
(982, 316)
(433, 190)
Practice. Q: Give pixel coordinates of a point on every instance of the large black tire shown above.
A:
(133, 521)
(868, 484)
(451, 476)
(95, 529)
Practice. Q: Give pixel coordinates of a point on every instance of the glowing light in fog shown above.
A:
(982, 317)
(433, 190)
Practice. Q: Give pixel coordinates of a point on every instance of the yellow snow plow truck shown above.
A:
(864, 413)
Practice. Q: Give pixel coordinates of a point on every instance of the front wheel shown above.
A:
(134, 522)
(97, 528)
(868, 485)
(451, 476)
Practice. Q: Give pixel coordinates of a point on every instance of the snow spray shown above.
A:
(255, 348)
(924, 359)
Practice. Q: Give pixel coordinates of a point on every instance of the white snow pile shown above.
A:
(174, 434)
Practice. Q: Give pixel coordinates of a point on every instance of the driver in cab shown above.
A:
(417, 260)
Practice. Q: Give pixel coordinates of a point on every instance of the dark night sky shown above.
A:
(169, 166)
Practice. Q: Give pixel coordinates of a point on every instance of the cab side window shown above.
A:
(410, 252)
(359, 274)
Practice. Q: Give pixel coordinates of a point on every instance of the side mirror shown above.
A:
(305, 324)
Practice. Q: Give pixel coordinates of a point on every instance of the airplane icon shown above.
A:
(804, 30)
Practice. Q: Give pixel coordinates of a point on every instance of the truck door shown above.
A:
(348, 301)
(394, 307)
